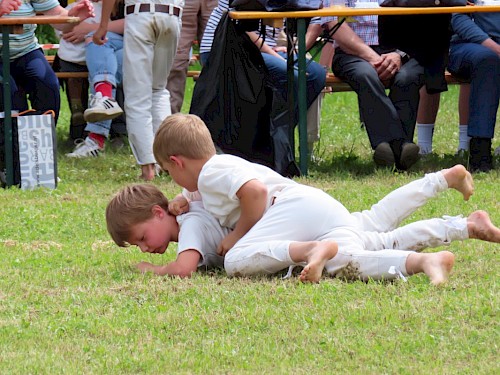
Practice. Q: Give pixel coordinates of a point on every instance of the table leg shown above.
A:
(302, 94)
(9, 157)
(290, 66)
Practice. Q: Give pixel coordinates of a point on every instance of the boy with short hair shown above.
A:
(256, 203)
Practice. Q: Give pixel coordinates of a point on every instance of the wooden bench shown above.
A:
(333, 83)
(50, 59)
(336, 84)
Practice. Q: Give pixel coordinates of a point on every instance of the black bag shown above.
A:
(233, 99)
(423, 3)
(276, 5)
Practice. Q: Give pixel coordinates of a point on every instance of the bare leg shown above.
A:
(460, 179)
(148, 172)
(315, 254)
(480, 227)
(437, 266)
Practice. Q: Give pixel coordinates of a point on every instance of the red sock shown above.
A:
(98, 138)
(105, 88)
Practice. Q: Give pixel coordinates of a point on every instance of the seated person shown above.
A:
(367, 66)
(275, 58)
(77, 51)
(28, 67)
(475, 56)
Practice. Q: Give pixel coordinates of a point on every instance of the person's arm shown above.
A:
(253, 201)
(184, 266)
(262, 45)
(352, 44)
(7, 6)
(312, 34)
(99, 36)
(468, 31)
(83, 10)
(78, 34)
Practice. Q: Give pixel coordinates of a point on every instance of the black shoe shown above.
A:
(405, 153)
(383, 155)
(480, 157)
(410, 153)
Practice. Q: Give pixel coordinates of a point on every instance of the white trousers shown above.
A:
(370, 243)
(150, 43)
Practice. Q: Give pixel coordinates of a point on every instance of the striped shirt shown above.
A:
(366, 27)
(21, 44)
(222, 7)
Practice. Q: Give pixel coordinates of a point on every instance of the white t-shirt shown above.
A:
(75, 52)
(200, 231)
(221, 178)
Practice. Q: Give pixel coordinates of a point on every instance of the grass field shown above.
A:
(71, 301)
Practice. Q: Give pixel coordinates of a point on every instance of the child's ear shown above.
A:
(176, 160)
(157, 211)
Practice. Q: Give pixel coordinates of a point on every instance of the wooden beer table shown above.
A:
(298, 21)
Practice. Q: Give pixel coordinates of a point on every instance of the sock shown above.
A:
(98, 138)
(463, 138)
(105, 88)
(424, 135)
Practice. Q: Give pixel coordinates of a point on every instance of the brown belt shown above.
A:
(161, 8)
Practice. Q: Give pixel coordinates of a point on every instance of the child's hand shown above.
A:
(7, 6)
(227, 243)
(179, 205)
(99, 37)
(145, 267)
(83, 10)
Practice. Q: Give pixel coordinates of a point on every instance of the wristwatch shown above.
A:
(404, 56)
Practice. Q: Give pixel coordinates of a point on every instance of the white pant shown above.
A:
(368, 241)
(150, 43)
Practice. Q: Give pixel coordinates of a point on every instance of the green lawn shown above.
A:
(72, 303)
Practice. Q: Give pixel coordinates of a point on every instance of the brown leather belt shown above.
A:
(161, 8)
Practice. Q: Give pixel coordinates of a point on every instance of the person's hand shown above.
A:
(7, 6)
(279, 49)
(227, 243)
(145, 267)
(178, 206)
(99, 36)
(83, 10)
(389, 66)
(77, 35)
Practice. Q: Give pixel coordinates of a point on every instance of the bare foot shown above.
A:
(459, 178)
(148, 172)
(319, 255)
(480, 227)
(437, 266)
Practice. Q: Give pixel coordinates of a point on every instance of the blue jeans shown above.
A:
(104, 64)
(316, 76)
(481, 66)
(32, 75)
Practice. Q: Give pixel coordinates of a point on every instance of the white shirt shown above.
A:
(200, 231)
(221, 178)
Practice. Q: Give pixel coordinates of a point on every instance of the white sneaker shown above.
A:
(85, 148)
(102, 108)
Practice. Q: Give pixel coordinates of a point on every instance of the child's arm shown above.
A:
(253, 201)
(7, 6)
(185, 264)
(99, 36)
